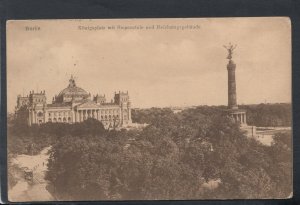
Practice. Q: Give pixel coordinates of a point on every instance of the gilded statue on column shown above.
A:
(230, 49)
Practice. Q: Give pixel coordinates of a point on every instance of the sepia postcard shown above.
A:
(149, 109)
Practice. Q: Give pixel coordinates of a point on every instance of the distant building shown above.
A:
(74, 104)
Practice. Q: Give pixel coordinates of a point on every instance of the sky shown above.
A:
(173, 66)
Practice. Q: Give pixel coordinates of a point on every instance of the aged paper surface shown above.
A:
(149, 109)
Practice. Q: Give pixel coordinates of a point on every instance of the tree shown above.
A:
(171, 158)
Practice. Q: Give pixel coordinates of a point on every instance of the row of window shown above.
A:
(38, 100)
(102, 116)
(66, 114)
(64, 119)
(60, 119)
(59, 114)
(111, 111)
(124, 99)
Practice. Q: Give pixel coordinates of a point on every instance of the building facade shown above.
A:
(74, 104)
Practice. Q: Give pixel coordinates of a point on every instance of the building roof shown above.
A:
(73, 90)
(109, 104)
(59, 105)
(88, 104)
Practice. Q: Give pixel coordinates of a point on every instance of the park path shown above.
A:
(35, 190)
(266, 136)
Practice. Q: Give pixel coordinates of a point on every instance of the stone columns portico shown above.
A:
(77, 116)
(106, 115)
(98, 115)
(84, 114)
(239, 116)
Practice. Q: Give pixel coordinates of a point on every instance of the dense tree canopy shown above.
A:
(24, 139)
(172, 158)
(261, 115)
(269, 115)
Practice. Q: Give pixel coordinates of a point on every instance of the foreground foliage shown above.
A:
(172, 158)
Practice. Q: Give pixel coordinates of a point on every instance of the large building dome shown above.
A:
(72, 93)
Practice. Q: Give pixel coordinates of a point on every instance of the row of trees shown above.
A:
(269, 115)
(260, 115)
(24, 139)
(172, 158)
